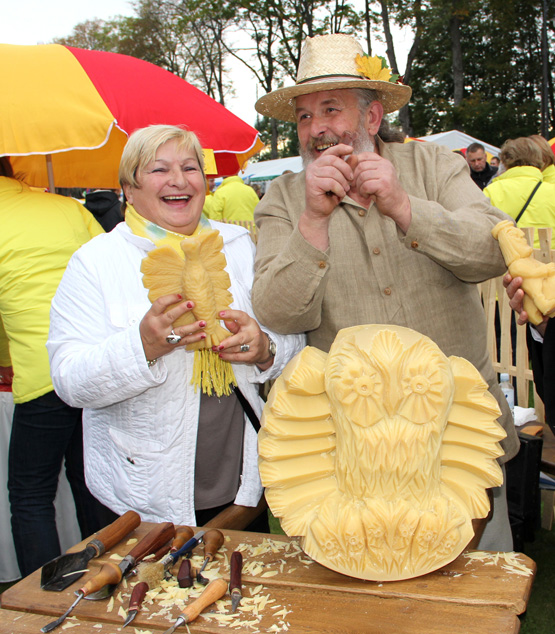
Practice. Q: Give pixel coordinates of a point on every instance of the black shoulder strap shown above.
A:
(527, 202)
(248, 409)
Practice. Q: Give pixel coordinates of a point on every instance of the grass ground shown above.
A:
(540, 616)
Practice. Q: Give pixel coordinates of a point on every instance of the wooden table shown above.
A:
(301, 596)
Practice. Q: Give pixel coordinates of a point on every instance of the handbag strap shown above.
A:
(248, 409)
(527, 202)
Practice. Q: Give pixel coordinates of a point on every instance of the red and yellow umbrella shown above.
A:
(78, 107)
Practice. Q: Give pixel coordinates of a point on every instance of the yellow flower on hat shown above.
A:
(374, 68)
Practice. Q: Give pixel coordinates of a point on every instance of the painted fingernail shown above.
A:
(189, 304)
(220, 347)
(202, 324)
(222, 314)
(180, 296)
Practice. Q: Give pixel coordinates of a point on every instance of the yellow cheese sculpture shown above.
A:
(378, 454)
(200, 277)
(538, 279)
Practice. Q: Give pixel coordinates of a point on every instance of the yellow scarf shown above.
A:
(209, 371)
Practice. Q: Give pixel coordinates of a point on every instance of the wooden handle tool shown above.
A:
(236, 566)
(214, 590)
(213, 540)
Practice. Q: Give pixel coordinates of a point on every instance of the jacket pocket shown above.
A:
(140, 476)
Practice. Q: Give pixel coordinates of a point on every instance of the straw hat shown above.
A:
(331, 62)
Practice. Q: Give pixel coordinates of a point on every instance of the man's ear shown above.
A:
(374, 116)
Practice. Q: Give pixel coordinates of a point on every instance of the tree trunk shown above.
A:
(390, 51)
(457, 59)
(404, 113)
(367, 24)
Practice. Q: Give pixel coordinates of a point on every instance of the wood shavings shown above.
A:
(122, 612)
(67, 625)
(110, 605)
(270, 573)
(119, 598)
(116, 557)
(133, 540)
(98, 626)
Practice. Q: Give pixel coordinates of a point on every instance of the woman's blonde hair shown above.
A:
(547, 153)
(519, 152)
(142, 145)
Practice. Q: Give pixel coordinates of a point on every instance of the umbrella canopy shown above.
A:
(79, 106)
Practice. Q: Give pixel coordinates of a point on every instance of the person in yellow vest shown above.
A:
(520, 190)
(40, 232)
(232, 200)
(548, 158)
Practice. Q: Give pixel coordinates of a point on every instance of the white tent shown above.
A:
(456, 140)
(267, 170)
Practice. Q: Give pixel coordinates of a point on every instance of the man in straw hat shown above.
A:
(374, 231)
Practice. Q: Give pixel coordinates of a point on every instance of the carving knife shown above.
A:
(235, 579)
(214, 590)
(61, 572)
(157, 537)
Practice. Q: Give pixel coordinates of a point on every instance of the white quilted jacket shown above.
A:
(140, 423)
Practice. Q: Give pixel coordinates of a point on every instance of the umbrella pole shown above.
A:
(50, 173)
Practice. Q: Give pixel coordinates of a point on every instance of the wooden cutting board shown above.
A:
(306, 597)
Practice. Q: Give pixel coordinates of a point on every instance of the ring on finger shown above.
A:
(245, 347)
(173, 338)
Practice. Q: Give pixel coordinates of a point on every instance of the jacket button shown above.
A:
(387, 291)
(361, 213)
(376, 251)
(414, 244)
(322, 264)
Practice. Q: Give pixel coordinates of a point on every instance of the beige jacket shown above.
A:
(372, 273)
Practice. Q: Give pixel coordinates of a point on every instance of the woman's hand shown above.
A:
(156, 325)
(245, 331)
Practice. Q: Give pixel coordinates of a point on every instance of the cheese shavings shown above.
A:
(508, 561)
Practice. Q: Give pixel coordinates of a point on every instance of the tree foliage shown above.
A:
(474, 65)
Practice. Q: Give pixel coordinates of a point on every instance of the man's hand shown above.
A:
(516, 298)
(328, 180)
(327, 183)
(375, 178)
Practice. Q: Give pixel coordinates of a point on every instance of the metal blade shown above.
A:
(235, 600)
(61, 572)
(130, 616)
(50, 626)
(180, 620)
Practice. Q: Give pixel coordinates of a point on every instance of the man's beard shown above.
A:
(360, 141)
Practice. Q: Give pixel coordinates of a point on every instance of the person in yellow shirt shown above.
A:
(521, 191)
(548, 158)
(40, 232)
(232, 200)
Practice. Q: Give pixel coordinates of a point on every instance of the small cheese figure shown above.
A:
(538, 278)
(200, 276)
(382, 472)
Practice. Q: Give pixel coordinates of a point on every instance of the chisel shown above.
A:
(236, 566)
(214, 590)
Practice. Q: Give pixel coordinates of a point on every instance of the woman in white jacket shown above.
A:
(153, 442)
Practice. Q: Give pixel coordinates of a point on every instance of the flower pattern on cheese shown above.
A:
(382, 471)
(538, 278)
(199, 276)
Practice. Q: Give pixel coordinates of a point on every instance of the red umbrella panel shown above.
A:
(79, 106)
